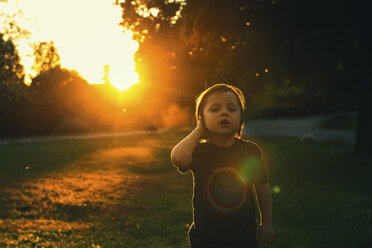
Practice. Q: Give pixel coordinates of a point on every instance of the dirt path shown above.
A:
(74, 137)
(266, 127)
(298, 128)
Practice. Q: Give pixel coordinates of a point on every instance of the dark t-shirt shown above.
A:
(223, 201)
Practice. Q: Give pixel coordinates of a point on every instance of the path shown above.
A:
(265, 127)
(298, 128)
(74, 137)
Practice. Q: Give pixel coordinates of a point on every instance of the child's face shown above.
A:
(222, 113)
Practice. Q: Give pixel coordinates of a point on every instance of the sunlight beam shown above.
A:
(86, 34)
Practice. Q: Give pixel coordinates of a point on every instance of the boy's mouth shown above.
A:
(224, 122)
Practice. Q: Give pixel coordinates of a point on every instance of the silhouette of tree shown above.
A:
(56, 95)
(361, 56)
(61, 101)
(286, 55)
(106, 74)
(46, 56)
(12, 88)
(11, 72)
(11, 28)
(182, 43)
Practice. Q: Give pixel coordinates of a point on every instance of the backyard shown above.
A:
(124, 192)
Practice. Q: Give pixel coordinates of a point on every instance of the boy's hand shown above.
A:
(265, 234)
(203, 131)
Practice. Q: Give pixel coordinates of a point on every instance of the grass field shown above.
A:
(124, 192)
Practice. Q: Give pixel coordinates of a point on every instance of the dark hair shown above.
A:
(220, 88)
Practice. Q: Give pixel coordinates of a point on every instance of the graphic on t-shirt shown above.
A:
(226, 189)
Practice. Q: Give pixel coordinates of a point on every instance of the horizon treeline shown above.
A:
(290, 59)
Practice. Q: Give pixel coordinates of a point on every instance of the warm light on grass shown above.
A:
(117, 191)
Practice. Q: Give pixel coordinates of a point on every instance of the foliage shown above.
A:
(46, 56)
(286, 61)
(12, 89)
(256, 45)
(60, 101)
(11, 71)
(11, 28)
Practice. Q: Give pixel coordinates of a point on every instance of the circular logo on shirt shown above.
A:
(226, 189)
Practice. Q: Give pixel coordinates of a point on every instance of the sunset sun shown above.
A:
(87, 37)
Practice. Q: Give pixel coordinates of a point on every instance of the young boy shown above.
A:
(226, 170)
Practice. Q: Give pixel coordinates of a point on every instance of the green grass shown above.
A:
(124, 192)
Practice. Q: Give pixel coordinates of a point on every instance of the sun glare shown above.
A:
(86, 34)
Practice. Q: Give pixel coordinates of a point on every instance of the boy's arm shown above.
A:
(266, 231)
(181, 154)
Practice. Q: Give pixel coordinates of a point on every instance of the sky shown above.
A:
(86, 34)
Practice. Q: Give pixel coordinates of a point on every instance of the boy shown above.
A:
(226, 170)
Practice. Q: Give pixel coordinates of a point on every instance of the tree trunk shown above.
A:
(363, 143)
(362, 73)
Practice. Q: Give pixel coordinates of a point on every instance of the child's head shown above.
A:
(218, 104)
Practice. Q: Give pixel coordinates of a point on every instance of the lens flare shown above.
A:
(250, 169)
(226, 190)
(276, 189)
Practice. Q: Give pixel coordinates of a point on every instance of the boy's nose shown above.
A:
(224, 113)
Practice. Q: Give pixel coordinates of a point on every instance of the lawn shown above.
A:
(124, 192)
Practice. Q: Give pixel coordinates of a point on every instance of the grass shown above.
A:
(124, 192)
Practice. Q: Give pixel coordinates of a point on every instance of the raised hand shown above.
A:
(202, 130)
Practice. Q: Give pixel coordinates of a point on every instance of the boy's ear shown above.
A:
(202, 120)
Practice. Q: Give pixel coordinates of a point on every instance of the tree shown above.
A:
(183, 42)
(11, 71)
(274, 50)
(12, 88)
(46, 56)
(61, 101)
(54, 95)
(362, 55)
(11, 28)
